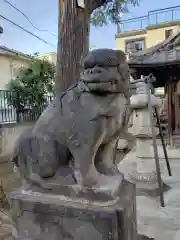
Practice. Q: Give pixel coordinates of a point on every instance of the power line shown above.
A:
(42, 30)
(22, 28)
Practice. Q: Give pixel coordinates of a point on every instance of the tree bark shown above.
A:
(73, 42)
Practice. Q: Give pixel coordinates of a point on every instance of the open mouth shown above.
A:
(101, 86)
(99, 80)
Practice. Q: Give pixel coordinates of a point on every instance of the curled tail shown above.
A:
(19, 157)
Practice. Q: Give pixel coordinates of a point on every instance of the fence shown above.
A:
(152, 18)
(17, 107)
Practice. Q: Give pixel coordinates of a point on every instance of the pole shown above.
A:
(163, 144)
(154, 144)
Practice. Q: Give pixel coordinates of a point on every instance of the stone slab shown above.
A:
(107, 189)
(46, 216)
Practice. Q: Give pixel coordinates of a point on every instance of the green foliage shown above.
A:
(110, 12)
(31, 86)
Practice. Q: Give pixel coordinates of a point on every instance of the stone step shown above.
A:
(176, 145)
(176, 141)
(176, 138)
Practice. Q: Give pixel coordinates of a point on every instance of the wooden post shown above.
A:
(169, 92)
(177, 108)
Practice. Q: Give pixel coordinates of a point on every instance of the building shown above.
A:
(51, 57)
(152, 45)
(163, 61)
(10, 62)
(136, 34)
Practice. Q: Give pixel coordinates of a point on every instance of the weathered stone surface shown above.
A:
(142, 237)
(5, 219)
(7, 229)
(48, 216)
(5, 232)
(73, 188)
(73, 141)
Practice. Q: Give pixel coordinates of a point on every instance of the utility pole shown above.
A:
(73, 41)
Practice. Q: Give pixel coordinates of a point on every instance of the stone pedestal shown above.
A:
(45, 216)
(145, 172)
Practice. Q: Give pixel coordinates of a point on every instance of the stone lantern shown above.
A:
(144, 173)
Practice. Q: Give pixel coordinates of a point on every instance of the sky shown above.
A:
(44, 15)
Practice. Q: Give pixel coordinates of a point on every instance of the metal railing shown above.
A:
(154, 17)
(16, 107)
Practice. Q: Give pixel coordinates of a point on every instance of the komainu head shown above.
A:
(106, 70)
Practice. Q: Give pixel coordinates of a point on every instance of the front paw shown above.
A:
(108, 170)
(113, 170)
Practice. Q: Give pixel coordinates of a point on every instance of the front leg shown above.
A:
(83, 146)
(85, 171)
(105, 158)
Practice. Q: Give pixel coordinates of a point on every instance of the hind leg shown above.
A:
(37, 155)
(45, 150)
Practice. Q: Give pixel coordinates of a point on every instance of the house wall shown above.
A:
(155, 36)
(120, 41)
(152, 35)
(9, 67)
(51, 57)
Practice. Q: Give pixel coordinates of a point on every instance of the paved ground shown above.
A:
(153, 220)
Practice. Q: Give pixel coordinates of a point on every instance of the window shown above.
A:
(134, 45)
(168, 33)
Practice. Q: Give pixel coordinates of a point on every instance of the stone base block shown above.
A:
(40, 216)
(147, 184)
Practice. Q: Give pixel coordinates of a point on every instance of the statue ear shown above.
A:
(121, 56)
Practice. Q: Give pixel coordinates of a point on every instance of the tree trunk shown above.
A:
(73, 42)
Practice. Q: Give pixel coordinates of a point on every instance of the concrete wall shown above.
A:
(9, 134)
(152, 35)
(9, 66)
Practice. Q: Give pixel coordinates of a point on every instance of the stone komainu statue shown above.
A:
(75, 135)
